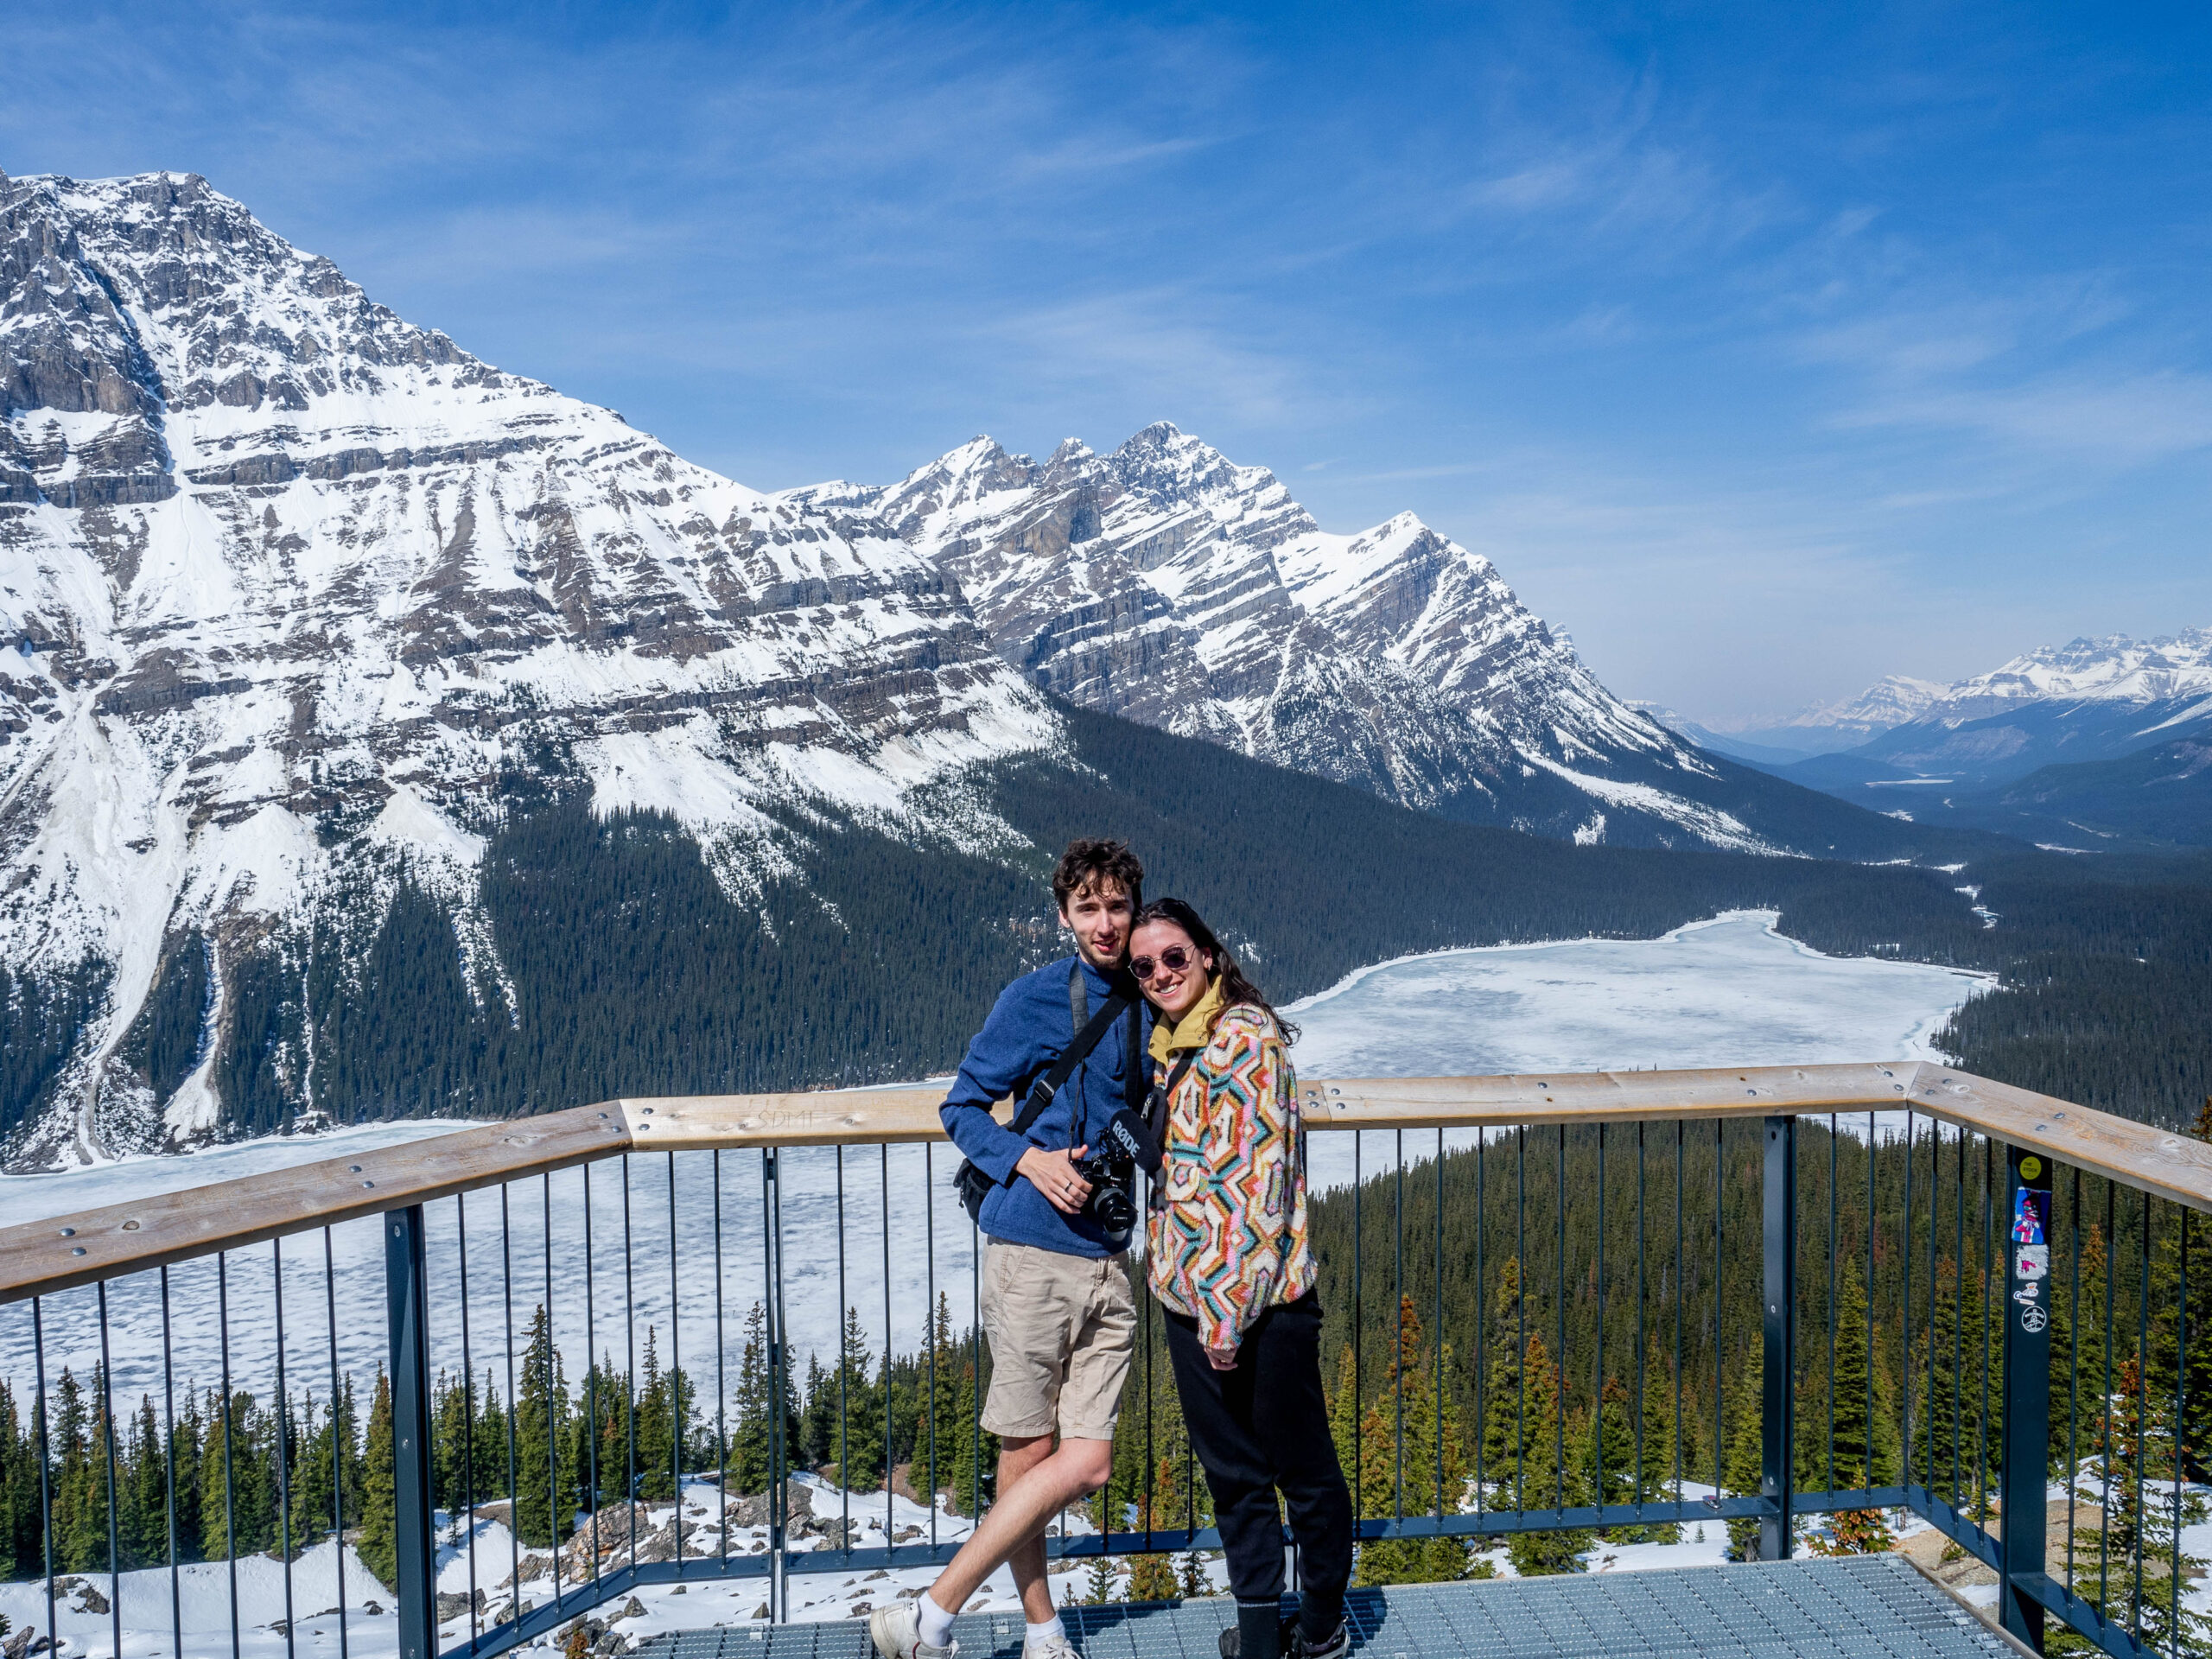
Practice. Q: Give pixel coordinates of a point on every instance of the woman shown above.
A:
(1226, 1254)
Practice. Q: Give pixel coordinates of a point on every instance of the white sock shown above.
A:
(1045, 1632)
(937, 1623)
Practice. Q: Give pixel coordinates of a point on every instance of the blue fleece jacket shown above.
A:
(1029, 1028)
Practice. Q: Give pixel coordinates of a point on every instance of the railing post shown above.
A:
(407, 1312)
(2027, 1391)
(1778, 1403)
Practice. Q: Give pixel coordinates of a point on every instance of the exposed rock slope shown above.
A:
(287, 582)
(1166, 583)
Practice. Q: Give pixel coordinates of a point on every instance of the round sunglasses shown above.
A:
(1174, 959)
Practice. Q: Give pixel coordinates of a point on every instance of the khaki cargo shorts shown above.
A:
(1062, 1329)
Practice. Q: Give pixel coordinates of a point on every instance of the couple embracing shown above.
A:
(1150, 1045)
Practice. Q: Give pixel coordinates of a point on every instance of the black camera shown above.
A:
(1111, 1165)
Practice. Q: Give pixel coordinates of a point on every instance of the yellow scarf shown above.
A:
(1192, 1030)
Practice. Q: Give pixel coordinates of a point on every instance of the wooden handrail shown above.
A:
(40, 1257)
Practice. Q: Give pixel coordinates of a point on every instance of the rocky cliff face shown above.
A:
(287, 585)
(1164, 582)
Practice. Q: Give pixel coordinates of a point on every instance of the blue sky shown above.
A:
(1767, 349)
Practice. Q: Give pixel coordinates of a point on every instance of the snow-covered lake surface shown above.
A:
(1726, 991)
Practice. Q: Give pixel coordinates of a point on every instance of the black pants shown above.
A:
(1262, 1427)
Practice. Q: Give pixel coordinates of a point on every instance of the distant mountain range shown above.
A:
(2095, 744)
(359, 701)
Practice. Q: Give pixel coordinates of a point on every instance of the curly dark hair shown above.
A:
(1088, 860)
(1235, 987)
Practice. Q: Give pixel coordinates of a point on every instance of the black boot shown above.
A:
(1298, 1645)
(1259, 1632)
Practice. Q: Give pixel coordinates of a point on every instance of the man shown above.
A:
(1057, 1304)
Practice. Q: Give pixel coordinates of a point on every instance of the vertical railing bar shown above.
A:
(1598, 1378)
(889, 1453)
(1905, 1313)
(844, 1465)
(721, 1368)
(1482, 1317)
(2142, 1401)
(1151, 1453)
(721, 1353)
(1358, 1278)
(230, 1481)
(554, 1401)
(929, 1320)
(284, 1433)
(114, 1528)
(781, 1580)
(1681, 1291)
(2181, 1419)
(169, 1435)
(1559, 1254)
(591, 1382)
(1959, 1316)
(341, 1435)
(469, 1404)
(976, 1370)
(2073, 1361)
(2104, 1447)
(1520, 1313)
(1398, 1326)
(46, 1479)
(1835, 1250)
(1870, 1127)
(1720, 1209)
(1641, 1339)
(514, 1402)
(1981, 1302)
(678, 1415)
(1436, 1327)
(630, 1369)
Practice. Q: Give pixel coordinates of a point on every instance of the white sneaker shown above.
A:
(897, 1632)
(1051, 1647)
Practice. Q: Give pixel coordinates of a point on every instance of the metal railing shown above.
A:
(1556, 1331)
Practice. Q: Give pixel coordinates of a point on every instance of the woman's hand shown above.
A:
(1223, 1359)
(1054, 1174)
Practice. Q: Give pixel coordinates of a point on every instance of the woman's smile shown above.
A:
(1155, 948)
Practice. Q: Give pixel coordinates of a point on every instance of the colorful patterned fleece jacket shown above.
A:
(1229, 1239)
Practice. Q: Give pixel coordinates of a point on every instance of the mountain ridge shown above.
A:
(1163, 582)
(337, 659)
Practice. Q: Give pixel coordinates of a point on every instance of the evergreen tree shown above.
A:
(857, 1443)
(379, 1507)
(1410, 1464)
(1863, 1446)
(1505, 1455)
(544, 1510)
(1102, 1581)
(1152, 1578)
(1546, 1484)
(1745, 1466)
(1196, 1582)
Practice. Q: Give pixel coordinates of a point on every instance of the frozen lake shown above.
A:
(1725, 991)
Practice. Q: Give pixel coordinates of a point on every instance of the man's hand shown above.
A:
(1223, 1359)
(1054, 1174)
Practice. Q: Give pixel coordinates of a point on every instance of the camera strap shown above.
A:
(1087, 1036)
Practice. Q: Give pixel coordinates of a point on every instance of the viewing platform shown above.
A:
(1846, 1607)
(524, 1371)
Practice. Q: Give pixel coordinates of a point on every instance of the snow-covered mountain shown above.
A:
(1167, 584)
(287, 584)
(2093, 742)
(382, 734)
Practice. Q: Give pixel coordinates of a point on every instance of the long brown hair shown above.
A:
(1235, 987)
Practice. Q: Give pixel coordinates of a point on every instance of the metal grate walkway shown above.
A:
(1854, 1607)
